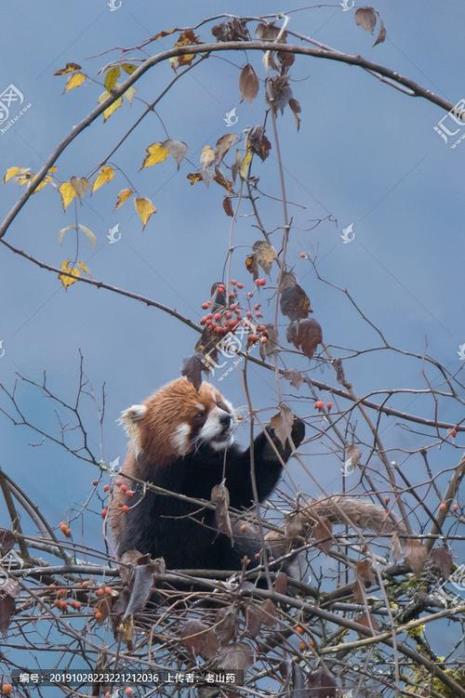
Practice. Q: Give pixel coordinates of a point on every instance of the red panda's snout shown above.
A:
(178, 420)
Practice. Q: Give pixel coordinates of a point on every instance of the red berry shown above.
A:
(75, 604)
(443, 506)
(106, 488)
(249, 315)
(260, 282)
(7, 689)
(217, 316)
(124, 508)
(258, 314)
(249, 294)
(252, 338)
(239, 284)
(329, 406)
(104, 512)
(124, 488)
(130, 493)
(319, 405)
(228, 314)
(206, 305)
(128, 691)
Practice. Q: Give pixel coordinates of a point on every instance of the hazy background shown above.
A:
(366, 154)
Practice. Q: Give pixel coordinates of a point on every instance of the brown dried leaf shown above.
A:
(322, 533)
(321, 684)
(223, 181)
(186, 38)
(305, 335)
(142, 583)
(294, 377)
(278, 92)
(296, 110)
(282, 422)
(226, 625)
(227, 206)
(253, 620)
(7, 609)
(381, 35)
(366, 17)
(7, 541)
(295, 303)
(192, 368)
(237, 657)
(442, 558)
(259, 143)
(248, 83)
(223, 145)
(415, 555)
(365, 572)
(369, 621)
(269, 347)
(234, 30)
(267, 31)
(198, 638)
(220, 498)
(280, 583)
(265, 255)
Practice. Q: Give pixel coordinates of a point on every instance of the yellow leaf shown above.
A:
(112, 108)
(129, 68)
(129, 94)
(14, 172)
(123, 196)
(194, 177)
(156, 153)
(68, 268)
(145, 209)
(105, 175)
(245, 164)
(207, 156)
(69, 68)
(24, 179)
(111, 77)
(76, 80)
(67, 193)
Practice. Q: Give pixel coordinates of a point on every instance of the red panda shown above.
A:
(181, 440)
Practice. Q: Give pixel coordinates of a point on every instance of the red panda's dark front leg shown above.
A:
(268, 457)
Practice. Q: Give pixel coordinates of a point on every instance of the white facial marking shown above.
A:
(200, 406)
(215, 432)
(180, 438)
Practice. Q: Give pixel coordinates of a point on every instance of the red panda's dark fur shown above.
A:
(177, 530)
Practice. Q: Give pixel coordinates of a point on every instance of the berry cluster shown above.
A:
(227, 312)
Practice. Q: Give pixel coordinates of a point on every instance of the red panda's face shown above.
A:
(178, 419)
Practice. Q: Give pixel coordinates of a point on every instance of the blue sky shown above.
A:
(366, 154)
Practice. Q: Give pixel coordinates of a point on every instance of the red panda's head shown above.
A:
(177, 419)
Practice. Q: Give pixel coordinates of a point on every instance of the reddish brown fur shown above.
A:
(173, 404)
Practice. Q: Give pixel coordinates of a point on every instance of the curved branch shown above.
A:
(416, 89)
